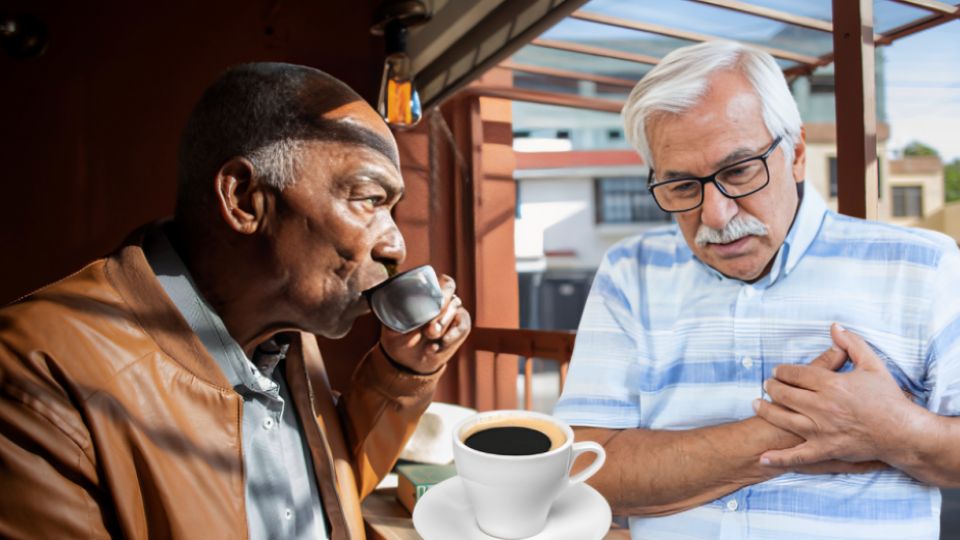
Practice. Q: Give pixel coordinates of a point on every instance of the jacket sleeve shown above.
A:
(380, 412)
(49, 480)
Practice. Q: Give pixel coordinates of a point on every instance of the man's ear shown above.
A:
(241, 196)
(800, 157)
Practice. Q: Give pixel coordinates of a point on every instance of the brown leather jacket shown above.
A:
(115, 421)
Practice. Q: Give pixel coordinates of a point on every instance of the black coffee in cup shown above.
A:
(513, 436)
(509, 441)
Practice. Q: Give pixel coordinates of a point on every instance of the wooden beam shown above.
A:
(931, 5)
(467, 59)
(917, 25)
(553, 344)
(887, 38)
(856, 110)
(595, 51)
(767, 13)
(683, 34)
(567, 74)
(545, 98)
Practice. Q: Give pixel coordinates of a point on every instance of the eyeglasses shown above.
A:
(734, 181)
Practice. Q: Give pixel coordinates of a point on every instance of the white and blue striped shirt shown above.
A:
(666, 342)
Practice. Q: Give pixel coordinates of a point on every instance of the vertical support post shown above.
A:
(494, 192)
(856, 110)
(483, 208)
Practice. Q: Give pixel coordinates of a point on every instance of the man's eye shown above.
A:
(372, 201)
(684, 188)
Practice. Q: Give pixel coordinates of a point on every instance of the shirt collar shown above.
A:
(176, 281)
(803, 231)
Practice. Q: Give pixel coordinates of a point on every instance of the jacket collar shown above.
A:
(130, 274)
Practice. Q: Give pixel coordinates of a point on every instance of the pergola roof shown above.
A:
(614, 42)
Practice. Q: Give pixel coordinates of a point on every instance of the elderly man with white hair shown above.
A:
(712, 358)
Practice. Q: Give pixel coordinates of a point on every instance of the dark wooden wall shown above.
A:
(88, 131)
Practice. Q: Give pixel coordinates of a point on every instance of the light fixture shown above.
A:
(399, 102)
(23, 36)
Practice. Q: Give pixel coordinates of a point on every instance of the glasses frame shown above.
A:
(704, 180)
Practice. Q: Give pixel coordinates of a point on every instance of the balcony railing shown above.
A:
(544, 344)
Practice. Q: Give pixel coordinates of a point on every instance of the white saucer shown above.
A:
(445, 513)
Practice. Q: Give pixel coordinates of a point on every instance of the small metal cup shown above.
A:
(407, 300)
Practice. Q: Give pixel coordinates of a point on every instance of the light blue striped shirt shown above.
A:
(666, 342)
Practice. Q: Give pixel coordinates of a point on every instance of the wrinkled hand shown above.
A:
(428, 348)
(850, 416)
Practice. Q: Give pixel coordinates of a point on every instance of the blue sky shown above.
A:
(923, 89)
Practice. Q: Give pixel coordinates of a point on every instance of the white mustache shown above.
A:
(735, 229)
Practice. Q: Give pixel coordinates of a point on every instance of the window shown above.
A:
(626, 200)
(833, 176)
(907, 201)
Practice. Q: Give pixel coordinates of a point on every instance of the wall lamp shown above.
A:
(399, 102)
(22, 36)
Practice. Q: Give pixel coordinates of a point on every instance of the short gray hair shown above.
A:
(277, 162)
(680, 80)
(265, 112)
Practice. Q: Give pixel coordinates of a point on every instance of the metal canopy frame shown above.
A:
(854, 40)
(681, 34)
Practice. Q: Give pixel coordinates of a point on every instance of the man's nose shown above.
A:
(717, 209)
(390, 248)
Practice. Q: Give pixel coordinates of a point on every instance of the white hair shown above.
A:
(681, 79)
(277, 162)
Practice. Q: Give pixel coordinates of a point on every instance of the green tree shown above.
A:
(951, 180)
(917, 148)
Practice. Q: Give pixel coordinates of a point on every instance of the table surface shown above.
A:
(387, 519)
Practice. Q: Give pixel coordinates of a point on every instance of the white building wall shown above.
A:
(561, 211)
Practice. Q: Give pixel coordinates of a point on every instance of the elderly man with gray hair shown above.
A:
(764, 368)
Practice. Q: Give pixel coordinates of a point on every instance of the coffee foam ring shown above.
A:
(550, 429)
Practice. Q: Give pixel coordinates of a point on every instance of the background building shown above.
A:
(581, 188)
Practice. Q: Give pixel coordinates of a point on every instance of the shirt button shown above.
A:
(747, 362)
(268, 423)
(288, 513)
(749, 291)
(732, 505)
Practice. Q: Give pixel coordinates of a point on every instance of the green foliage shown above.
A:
(951, 180)
(917, 148)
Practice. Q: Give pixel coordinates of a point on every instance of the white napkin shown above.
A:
(432, 442)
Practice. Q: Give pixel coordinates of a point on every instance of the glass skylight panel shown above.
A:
(718, 22)
(556, 59)
(815, 9)
(888, 15)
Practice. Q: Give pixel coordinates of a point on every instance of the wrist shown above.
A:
(910, 439)
(405, 369)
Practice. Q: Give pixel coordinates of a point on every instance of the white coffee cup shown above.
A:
(512, 494)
